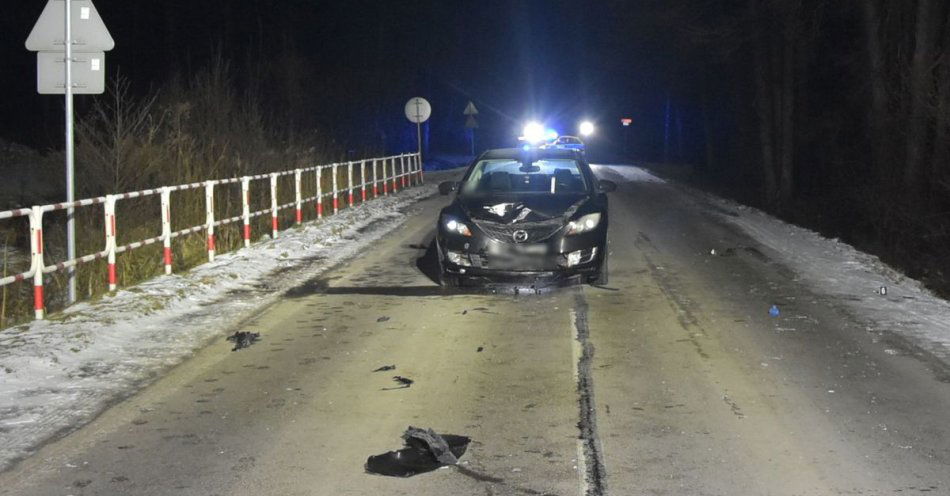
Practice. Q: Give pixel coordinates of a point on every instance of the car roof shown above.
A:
(515, 153)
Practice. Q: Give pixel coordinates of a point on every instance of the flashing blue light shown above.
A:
(551, 134)
(526, 148)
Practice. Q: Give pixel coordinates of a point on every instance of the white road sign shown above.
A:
(418, 110)
(470, 109)
(89, 32)
(88, 73)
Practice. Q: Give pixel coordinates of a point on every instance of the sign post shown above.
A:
(418, 111)
(470, 123)
(62, 32)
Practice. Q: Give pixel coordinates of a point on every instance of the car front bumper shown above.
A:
(561, 258)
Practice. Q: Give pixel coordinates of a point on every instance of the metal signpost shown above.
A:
(418, 110)
(470, 123)
(70, 40)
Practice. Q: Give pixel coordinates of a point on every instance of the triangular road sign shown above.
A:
(470, 109)
(471, 123)
(89, 32)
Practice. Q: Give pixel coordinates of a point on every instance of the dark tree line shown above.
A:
(833, 113)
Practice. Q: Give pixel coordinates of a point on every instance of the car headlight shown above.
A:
(456, 227)
(584, 224)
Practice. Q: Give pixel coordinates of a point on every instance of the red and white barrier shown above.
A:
(167, 229)
(409, 164)
(336, 200)
(109, 223)
(275, 223)
(297, 196)
(36, 250)
(363, 181)
(209, 214)
(319, 192)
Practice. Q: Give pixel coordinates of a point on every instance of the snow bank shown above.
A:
(837, 270)
(854, 279)
(56, 375)
(628, 173)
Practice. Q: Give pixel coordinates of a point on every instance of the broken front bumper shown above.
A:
(557, 259)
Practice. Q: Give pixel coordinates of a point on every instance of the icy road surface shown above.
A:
(675, 379)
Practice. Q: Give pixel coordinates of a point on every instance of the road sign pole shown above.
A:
(419, 138)
(70, 212)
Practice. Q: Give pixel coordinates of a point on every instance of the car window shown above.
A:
(550, 176)
(569, 141)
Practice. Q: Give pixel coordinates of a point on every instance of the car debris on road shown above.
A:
(425, 451)
(243, 339)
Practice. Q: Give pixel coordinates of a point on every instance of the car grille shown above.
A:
(537, 231)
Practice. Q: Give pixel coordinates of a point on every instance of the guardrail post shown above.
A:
(209, 214)
(385, 184)
(246, 208)
(336, 201)
(167, 229)
(349, 182)
(402, 171)
(36, 253)
(375, 180)
(395, 177)
(297, 193)
(109, 212)
(320, 192)
(273, 206)
(363, 180)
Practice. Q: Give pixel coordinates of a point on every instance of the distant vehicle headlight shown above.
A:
(456, 227)
(584, 224)
(587, 128)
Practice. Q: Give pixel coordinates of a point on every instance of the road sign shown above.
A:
(418, 110)
(626, 121)
(73, 31)
(471, 123)
(89, 33)
(88, 70)
(470, 109)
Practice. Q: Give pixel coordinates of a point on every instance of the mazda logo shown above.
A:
(520, 236)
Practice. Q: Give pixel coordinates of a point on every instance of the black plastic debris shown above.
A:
(425, 451)
(404, 383)
(382, 319)
(384, 368)
(243, 339)
(480, 349)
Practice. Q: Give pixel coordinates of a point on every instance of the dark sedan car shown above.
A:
(519, 215)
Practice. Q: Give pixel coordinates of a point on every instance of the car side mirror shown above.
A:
(606, 186)
(447, 187)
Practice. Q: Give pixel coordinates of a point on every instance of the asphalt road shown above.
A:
(672, 380)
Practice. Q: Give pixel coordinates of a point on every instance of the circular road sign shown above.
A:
(418, 110)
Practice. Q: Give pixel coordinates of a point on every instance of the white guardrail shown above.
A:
(391, 172)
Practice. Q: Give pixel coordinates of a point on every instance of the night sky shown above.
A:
(355, 63)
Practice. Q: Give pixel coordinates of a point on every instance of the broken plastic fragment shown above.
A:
(425, 451)
(774, 311)
(243, 339)
(385, 368)
(404, 382)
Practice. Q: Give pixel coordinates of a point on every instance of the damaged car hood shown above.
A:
(508, 209)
